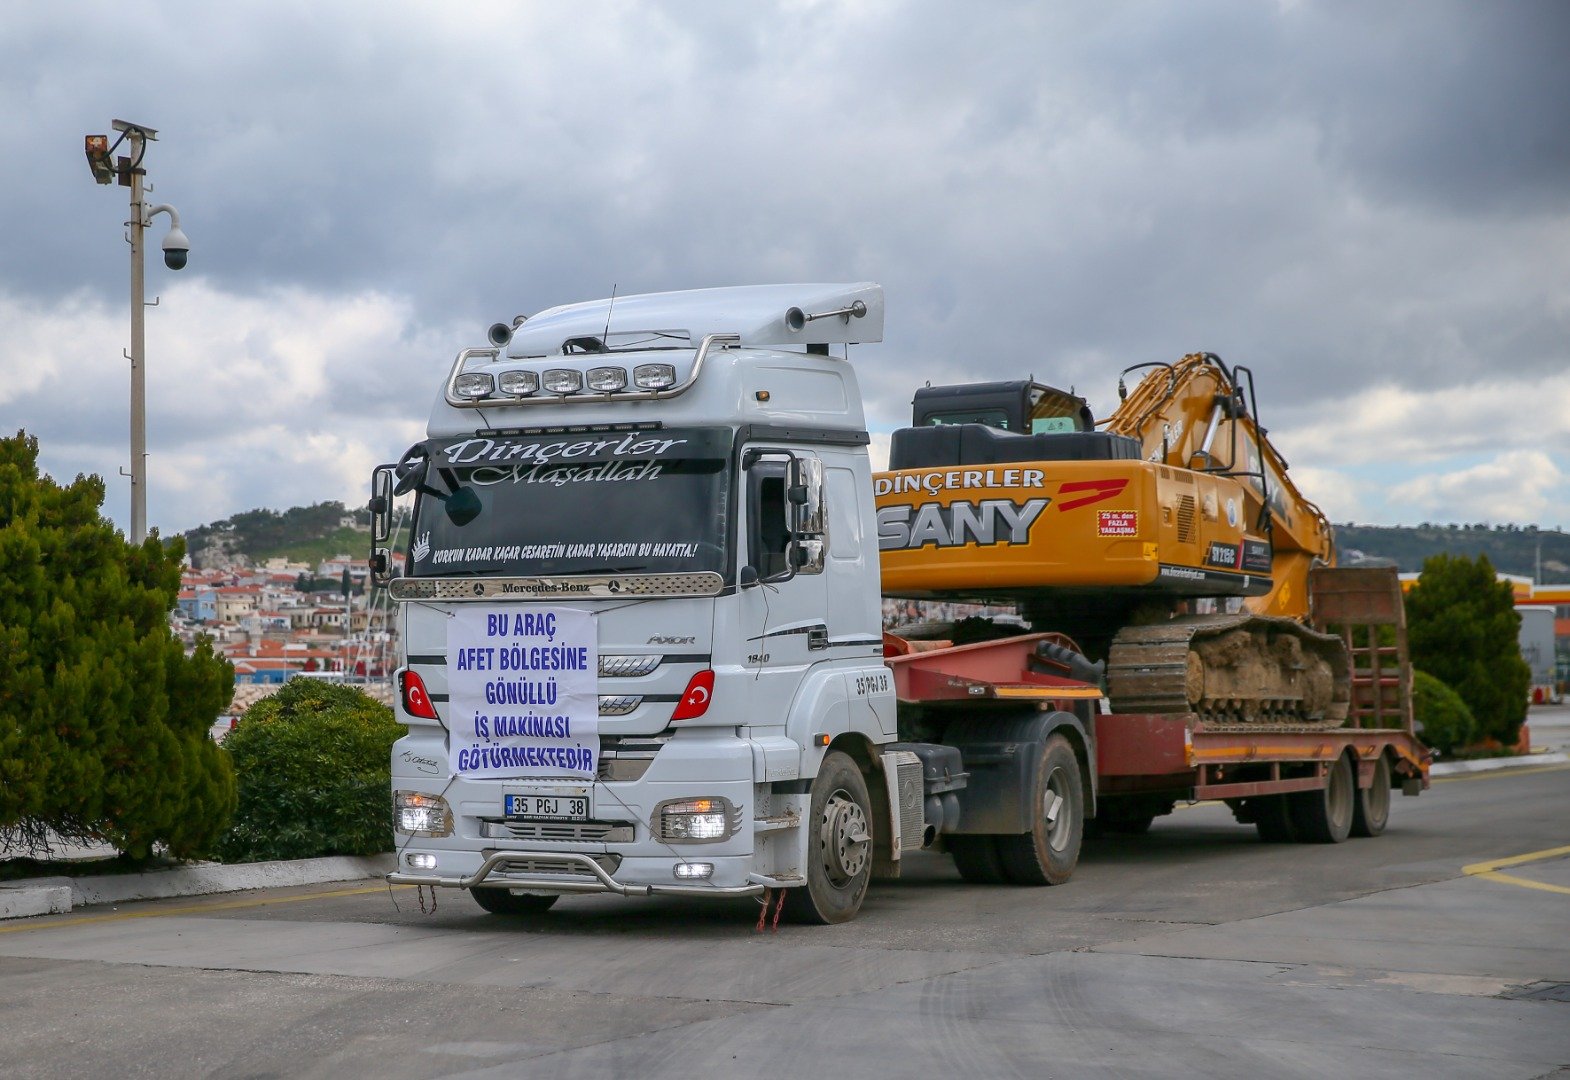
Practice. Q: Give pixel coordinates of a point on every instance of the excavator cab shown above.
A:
(998, 422)
(1023, 407)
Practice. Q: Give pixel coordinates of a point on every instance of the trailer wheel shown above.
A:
(1371, 811)
(839, 846)
(1273, 819)
(1048, 853)
(1325, 816)
(976, 858)
(507, 902)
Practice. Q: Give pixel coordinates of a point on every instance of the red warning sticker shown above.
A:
(1118, 522)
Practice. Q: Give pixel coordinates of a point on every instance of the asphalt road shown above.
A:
(1193, 951)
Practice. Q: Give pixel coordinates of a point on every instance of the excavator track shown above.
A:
(1251, 671)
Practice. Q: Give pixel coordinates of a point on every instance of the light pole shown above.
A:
(129, 172)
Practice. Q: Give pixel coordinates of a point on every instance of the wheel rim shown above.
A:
(843, 838)
(1055, 809)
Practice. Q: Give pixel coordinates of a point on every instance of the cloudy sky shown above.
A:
(1367, 203)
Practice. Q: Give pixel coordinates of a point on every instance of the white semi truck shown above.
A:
(641, 615)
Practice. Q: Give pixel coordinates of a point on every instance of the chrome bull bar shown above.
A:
(501, 862)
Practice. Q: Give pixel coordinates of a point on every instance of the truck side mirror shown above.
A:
(411, 470)
(462, 506)
(381, 504)
(748, 576)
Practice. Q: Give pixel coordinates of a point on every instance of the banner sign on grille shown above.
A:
(522, 690)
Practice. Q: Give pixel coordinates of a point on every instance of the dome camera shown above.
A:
(177, 249)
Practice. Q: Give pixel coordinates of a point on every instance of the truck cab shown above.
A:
(640, 608)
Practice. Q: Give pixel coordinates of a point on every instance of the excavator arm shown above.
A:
(1199, 415)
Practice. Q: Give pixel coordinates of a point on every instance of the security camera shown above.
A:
(177, 249)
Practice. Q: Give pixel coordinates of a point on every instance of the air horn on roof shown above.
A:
(795, 318)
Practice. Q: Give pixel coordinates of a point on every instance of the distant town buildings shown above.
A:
(263, 619)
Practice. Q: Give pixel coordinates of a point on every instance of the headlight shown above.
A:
(654, 376)
(419, 814)
(518, 383)
(695, 820)
(473, 385)
(559, 380)
(607, 379)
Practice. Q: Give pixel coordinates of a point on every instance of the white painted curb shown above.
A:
(49, 896)
(1450, 768)
(19, 901)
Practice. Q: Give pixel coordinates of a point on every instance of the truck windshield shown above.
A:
(587, 502)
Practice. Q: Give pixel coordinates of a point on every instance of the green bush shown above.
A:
(1443, 720)
(314, 775)
(1463, 629)
(103, 718)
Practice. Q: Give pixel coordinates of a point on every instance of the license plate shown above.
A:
(549, 807)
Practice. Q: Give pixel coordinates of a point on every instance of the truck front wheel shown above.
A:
(1048, 853)
(839, 843)
(507, 902)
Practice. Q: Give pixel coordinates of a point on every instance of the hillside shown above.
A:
(305, 534)
(310, 534)
(1513, 549)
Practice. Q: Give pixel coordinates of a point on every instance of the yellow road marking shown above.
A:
(194, 909)
(1498, 774)
(1491, 869)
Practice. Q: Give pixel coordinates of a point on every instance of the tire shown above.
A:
(1325, 816)
(839, 843)
(506, 902)
(1273, 819)
(1138, 825)
(1048, 853)
(1371, 809)
(976, 858)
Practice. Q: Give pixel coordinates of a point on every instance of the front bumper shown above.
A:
(510, 870)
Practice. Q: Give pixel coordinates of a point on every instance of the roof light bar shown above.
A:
(607, 379)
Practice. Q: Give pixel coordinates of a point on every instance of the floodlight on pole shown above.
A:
(176, 247)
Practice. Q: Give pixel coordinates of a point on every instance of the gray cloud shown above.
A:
(1336, 194)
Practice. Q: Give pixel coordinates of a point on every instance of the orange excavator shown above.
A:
(1167, 541)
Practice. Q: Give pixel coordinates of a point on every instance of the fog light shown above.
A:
(420, 861)
(419, 814)
(562, 380)
(654, 376)
(607, 379)
(474, 385)
(694, 871)
(518, 383)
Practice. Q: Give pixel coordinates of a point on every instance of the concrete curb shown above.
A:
(1450, 768)
(50, 896)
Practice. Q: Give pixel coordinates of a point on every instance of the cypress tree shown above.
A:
(103, 718)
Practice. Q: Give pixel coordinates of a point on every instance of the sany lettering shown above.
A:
(991, 521)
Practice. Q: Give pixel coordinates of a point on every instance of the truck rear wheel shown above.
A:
(507, 902)
(1048, 853)
(1371, 811)
(839, 843)
(1325, 816)
(1273, 819)
(976, 858)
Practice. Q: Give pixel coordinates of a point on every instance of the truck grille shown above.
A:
(627, 666)
(578, 832)
(525, 864)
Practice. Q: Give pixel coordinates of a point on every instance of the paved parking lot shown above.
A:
(1195, 950)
